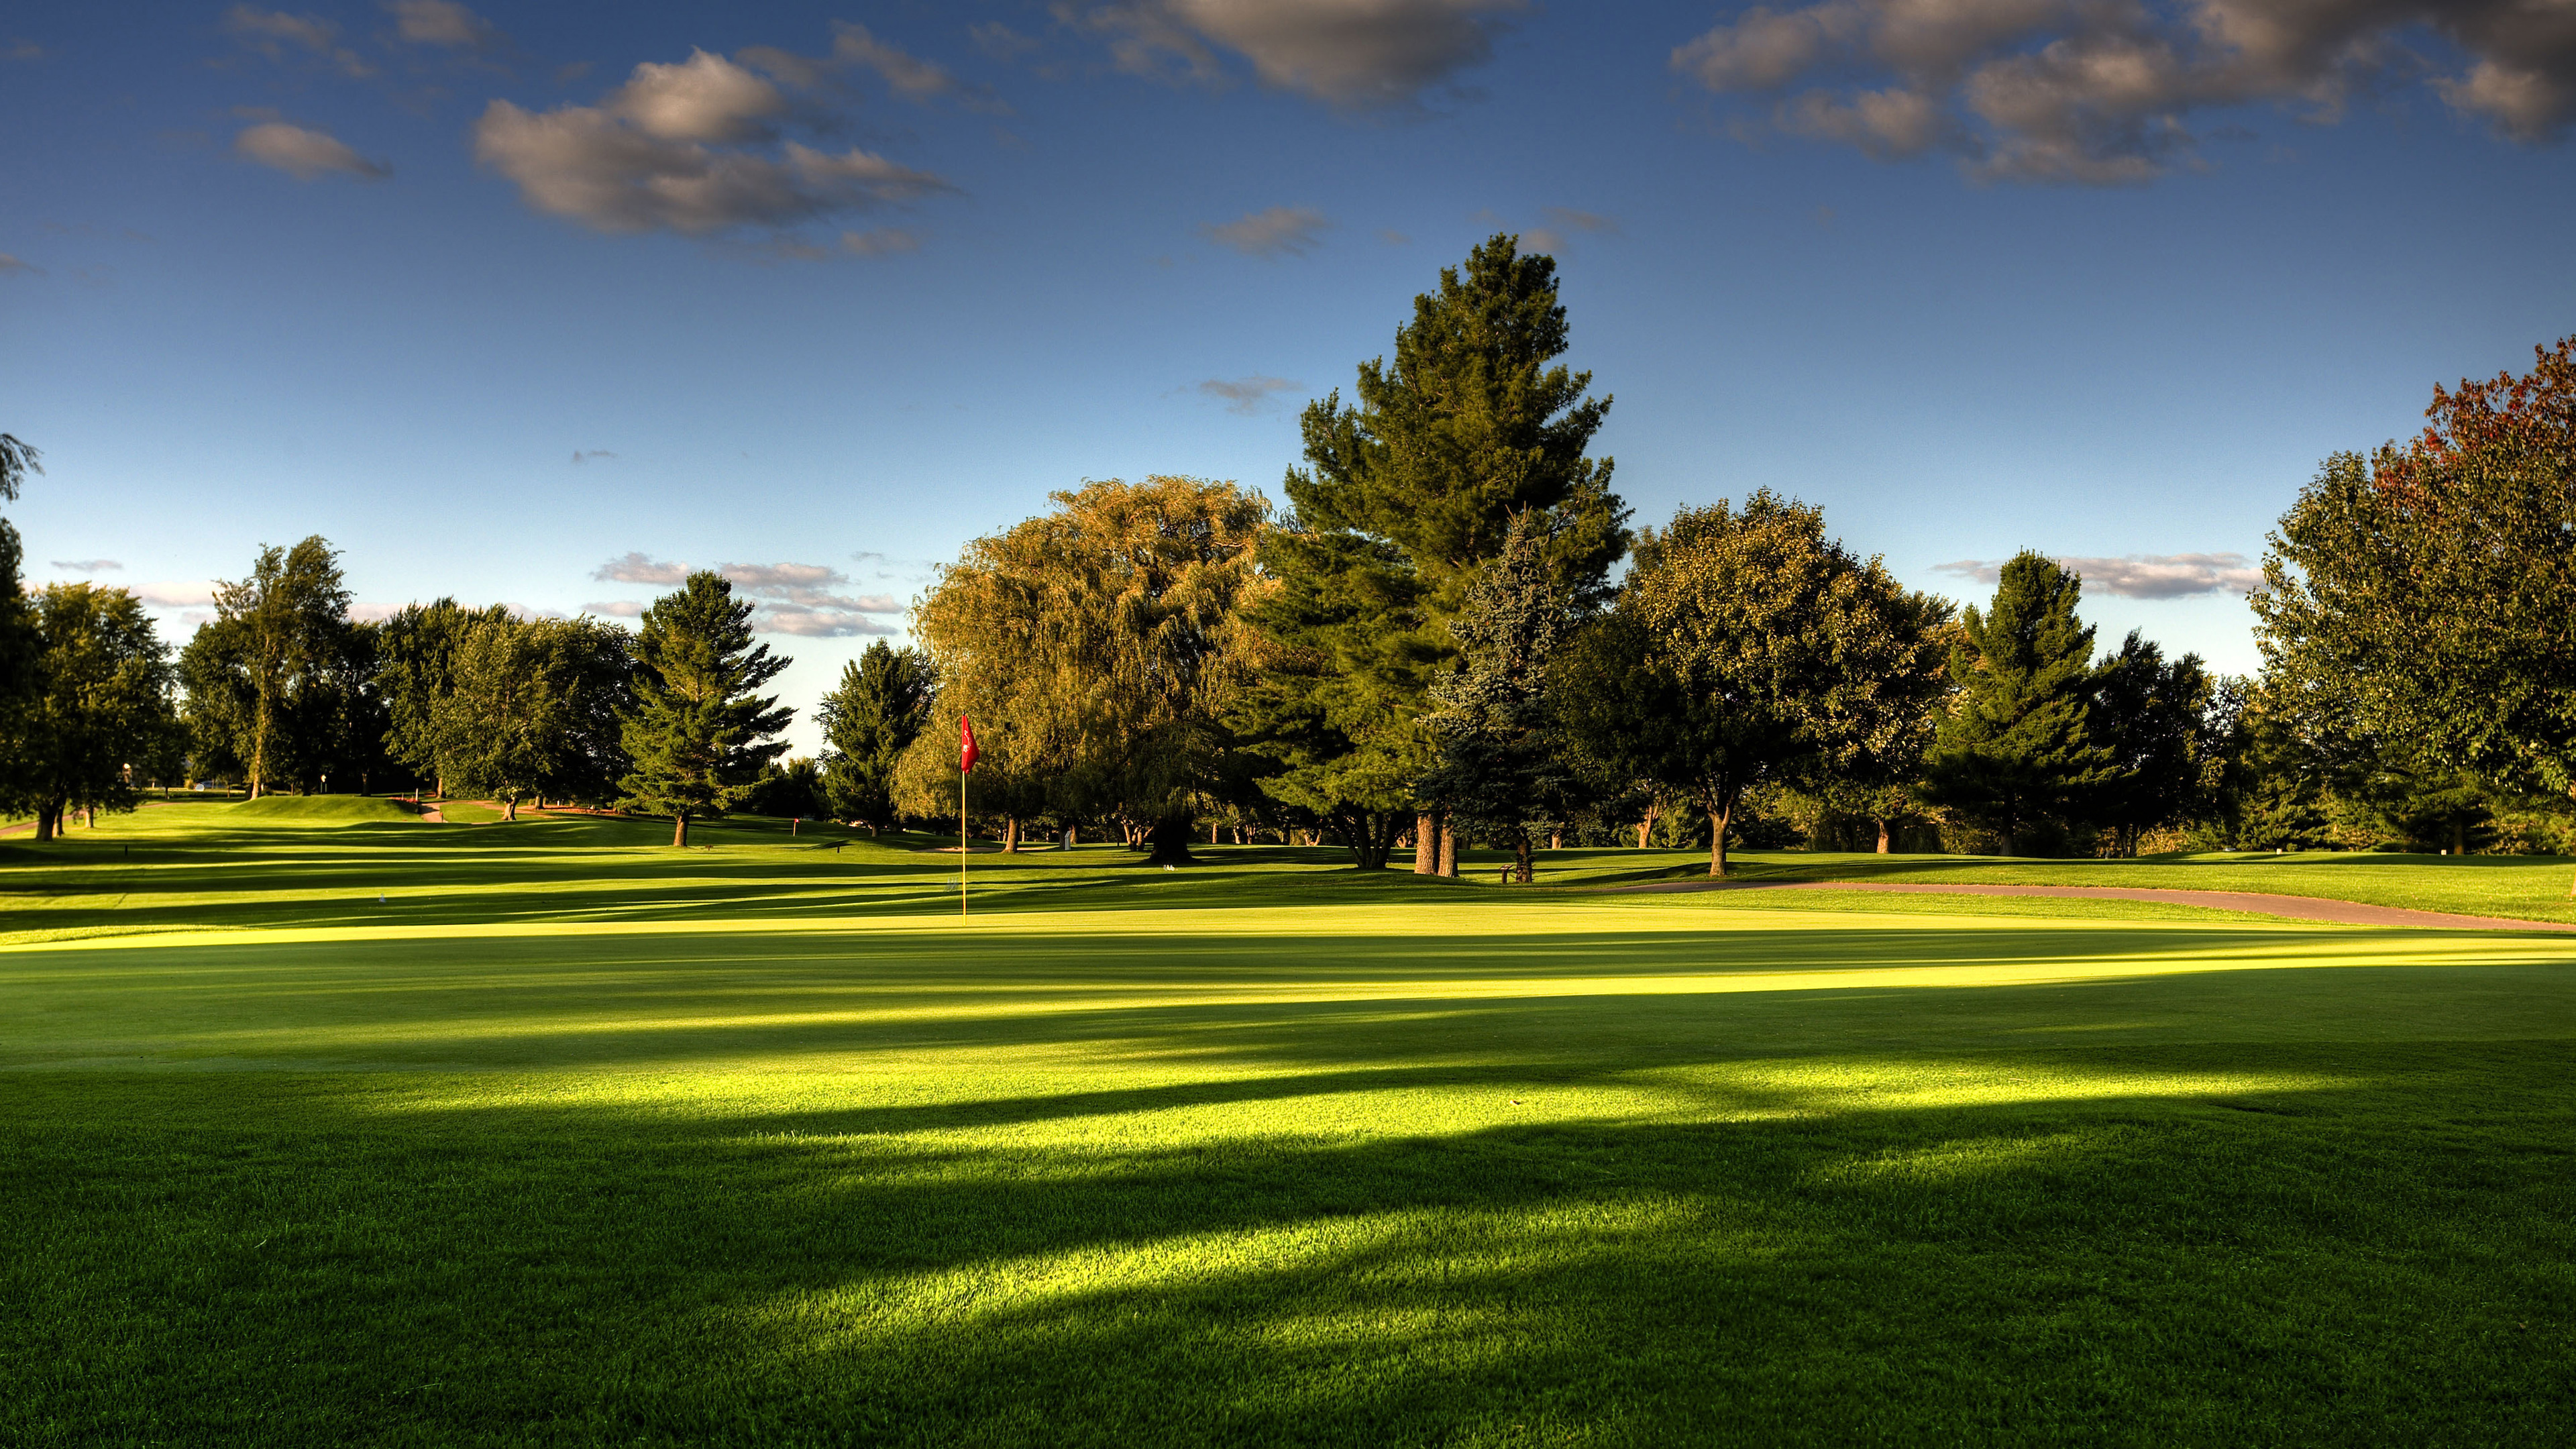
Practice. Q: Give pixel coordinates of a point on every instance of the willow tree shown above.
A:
(1406, 497)
(2428, 594)
(1104, 641)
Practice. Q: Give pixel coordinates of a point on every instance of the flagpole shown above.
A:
(961, 841)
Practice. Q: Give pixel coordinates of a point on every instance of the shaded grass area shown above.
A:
(1452, 1167)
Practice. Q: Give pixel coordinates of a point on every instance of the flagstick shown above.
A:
(961, 842)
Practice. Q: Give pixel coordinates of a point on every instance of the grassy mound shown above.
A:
(317, 810)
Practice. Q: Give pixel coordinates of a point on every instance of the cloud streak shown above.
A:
(2102, 92)
(1245, 395)
(1277, 232)
(1353, 55)
(88, 565)
(2140, 576)
(305, 154)
(790, 598)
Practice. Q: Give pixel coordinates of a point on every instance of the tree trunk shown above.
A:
(509, 810)
(1717, 839)
(47, 817)
(1426, 844)
(1010, 835)
(1521, 856)
(1448, 849)
(1882, 837)
(1170, 840)
(2459, 835)
(2008, 844)
(679, 832)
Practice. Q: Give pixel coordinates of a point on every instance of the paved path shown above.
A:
(2300, 908)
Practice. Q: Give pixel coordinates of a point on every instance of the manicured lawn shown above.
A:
(579, 1140)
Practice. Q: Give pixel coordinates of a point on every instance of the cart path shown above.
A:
(2300, 908)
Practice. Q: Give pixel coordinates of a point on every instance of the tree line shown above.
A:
(1450, 633)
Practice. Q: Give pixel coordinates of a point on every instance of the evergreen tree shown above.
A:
(1406, 497)
(697, 733)
(2154, 719)
(868, 720)
(1499, 767)
(2016, 750)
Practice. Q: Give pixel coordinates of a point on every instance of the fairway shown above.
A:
(572, 1140)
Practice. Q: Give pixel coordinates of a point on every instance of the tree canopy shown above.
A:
(698, 732)
(2016, 749)
(880, 705)
(104, 712)
(274, 680)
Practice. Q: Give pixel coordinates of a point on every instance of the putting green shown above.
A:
(584, 1142)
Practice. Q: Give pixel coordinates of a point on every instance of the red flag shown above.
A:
(965, 746)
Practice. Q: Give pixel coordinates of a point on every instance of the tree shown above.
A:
(868, 720)
(1407, 495)
(19, 642)
(532, 708)
(1499, 766)
(2433, 587)
(416, 673)
(274, 678)
(697, 734)
(2154, 720)
(1745, 646)
(1105, 641)
(1876, 782)
(103, 702)
(2015, 750)
(793, 790)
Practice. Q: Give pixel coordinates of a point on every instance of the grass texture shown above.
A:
(575, 1140)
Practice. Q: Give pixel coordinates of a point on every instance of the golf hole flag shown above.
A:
(965, 746)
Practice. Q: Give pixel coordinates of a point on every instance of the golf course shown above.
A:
(324, 1125)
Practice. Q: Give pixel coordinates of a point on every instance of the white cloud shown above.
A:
(1245, 395)
(179, 595)
(615, 609)
(818, 623)
(668, 150)
(636, 568)
(2102, 92)
(374, 613)
(1279, 231)
(442, 22)
(584, 455)
(908, 75)
(305, 154)
(2141, 576)
(88, 565)
(1351, 54)
(277, 35)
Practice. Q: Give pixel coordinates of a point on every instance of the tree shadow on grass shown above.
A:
(314, 1260)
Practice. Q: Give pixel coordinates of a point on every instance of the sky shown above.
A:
(546, 304)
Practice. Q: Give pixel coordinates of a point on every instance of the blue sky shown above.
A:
(531, 303)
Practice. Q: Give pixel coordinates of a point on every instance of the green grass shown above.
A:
(577, 1139)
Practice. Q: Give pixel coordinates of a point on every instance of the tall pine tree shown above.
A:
(1407, 497)
(868, 720)
(2016, 750)
(698, 733)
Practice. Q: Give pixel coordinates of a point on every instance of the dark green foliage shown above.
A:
(1500, 767)
(277, 680)
(1748, 647)
(104, 714)
(415, 672)
(2165, 744)
(2015, 751)
(793, 789)
(532, 709)
(17, 460)
(881, 703)
(1408, 495)
(697, 733)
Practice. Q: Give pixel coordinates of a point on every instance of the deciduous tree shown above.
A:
(1105, 640)
(1500, 765)
(698, 731)
(2437, 582)
(532, 708)
(274, 678)
(2153, 716)
(103, 704)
